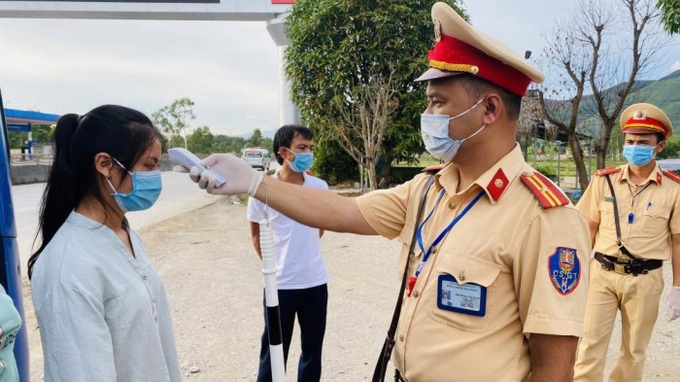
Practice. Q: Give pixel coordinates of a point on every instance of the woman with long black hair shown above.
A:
(101, 306)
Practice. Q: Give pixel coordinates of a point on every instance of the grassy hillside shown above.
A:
(664, 93)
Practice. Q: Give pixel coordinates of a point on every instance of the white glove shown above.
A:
(673, 304)
(240, 177)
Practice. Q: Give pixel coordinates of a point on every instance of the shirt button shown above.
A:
(143, 277)
(452, 205)
(401, 338)
(434, 250)
(416, 294)
(461, 276)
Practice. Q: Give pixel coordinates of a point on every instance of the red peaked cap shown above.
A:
(452, 55)
(645, 118)
(460, 48)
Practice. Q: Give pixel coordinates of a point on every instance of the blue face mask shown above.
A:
(146, 188)
(638, 155)
(302, 162)
(435, 132)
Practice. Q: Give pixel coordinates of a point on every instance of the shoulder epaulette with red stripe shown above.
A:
(671, 175)
(606, 171)
(434, 168)
(547, 193)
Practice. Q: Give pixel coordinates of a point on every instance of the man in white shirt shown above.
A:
(300, 270)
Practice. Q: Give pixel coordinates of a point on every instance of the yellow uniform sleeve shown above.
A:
(551, 273)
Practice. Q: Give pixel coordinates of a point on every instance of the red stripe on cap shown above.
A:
(647, 123)
(450, 51)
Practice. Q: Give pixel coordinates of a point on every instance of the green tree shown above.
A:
(17, 139)
(227, 144)
(670, 15)
(175, 141)
(672, 149)
(339, 48)
(174, 120)
(41, 133)
(255, 140)
(200, 141)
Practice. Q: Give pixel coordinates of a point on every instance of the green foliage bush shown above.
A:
(333, 164)
(672, 149)
(547, 170)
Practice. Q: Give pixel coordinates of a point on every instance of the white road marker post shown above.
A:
(271, 296)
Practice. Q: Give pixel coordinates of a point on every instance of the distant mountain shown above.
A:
(664, 93)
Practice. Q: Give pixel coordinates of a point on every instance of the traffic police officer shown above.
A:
(633, 215)
(498, 237)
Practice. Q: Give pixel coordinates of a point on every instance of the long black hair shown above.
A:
(121, 132)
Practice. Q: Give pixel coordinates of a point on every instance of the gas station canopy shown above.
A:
(21, 120)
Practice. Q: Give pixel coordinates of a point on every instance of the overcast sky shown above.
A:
(229, 69)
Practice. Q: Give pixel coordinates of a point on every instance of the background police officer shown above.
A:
(634, 230)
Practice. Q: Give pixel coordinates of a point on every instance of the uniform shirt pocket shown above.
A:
(607, 213)
(655, 219)
(466, 270)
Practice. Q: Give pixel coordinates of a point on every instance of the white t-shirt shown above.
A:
(299, 264)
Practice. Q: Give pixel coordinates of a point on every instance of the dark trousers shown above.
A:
(310, 306)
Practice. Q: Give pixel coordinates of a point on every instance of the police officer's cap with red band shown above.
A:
(645, 118)
(460, 48)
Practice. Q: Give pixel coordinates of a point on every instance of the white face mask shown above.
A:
(435, 131)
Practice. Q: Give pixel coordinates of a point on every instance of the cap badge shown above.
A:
(437, 29)
(640, 114)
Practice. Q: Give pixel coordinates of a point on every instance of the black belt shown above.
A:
(627, 267)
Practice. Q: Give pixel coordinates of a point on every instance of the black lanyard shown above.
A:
(619, 244)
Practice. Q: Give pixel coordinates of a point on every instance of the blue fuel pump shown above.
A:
(10, 268)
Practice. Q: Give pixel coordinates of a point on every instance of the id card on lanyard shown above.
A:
(426, 254)
(467, 298)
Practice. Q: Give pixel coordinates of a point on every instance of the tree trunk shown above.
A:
(601, 150)
(372, 174)
(577, 154)
(384, 181)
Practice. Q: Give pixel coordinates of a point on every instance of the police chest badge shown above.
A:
(565, 270)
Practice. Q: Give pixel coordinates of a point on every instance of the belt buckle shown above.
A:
(620, 269)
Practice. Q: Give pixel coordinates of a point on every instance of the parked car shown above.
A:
(257, 158)
(670, 164)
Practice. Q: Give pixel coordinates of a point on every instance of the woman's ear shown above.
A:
(103, 164)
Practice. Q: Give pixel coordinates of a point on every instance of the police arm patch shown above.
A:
(564, 268)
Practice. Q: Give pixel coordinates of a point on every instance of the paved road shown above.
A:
(179, 195)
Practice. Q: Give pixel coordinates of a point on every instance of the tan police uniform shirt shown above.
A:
(503, 243)
(654, 220)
